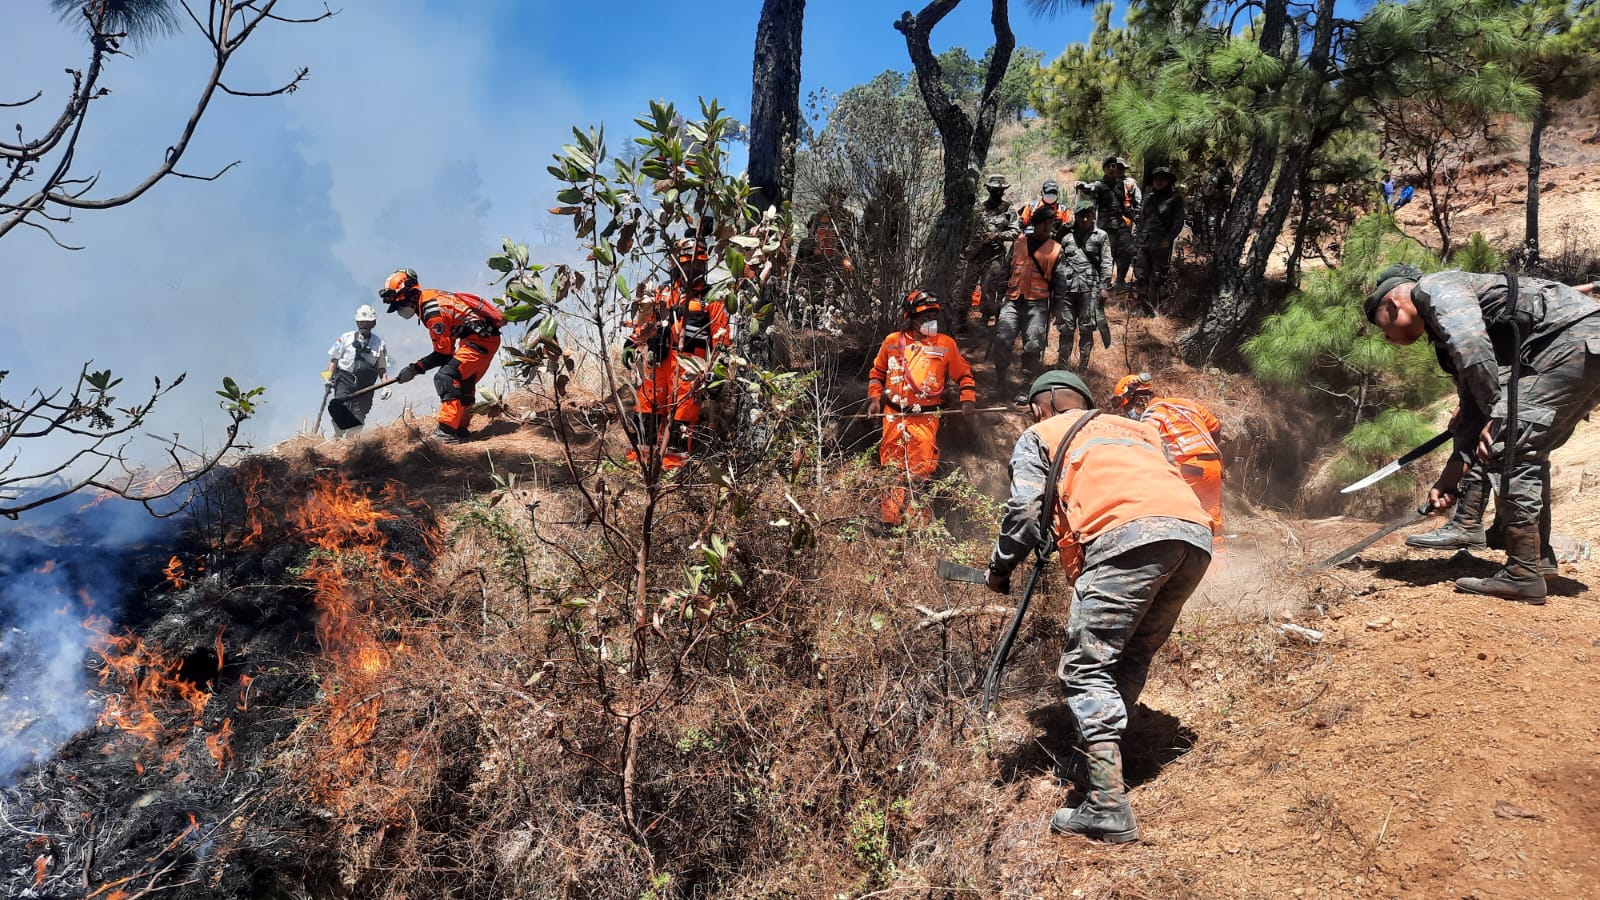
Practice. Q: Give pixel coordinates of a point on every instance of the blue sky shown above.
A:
(419, 140)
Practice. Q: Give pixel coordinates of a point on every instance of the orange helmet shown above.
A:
(688, 249)
(1131, 387)
(399, 289)
(918, 302)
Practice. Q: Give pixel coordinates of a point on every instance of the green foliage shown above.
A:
(869, 838)
(240, 403)
(1321, 345)
(1477, 255)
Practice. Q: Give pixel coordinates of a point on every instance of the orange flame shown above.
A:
(174, 573)
(150, 682)
(48, 567)
(219, 745)
(40, 867)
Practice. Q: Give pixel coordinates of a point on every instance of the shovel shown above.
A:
(339, 413)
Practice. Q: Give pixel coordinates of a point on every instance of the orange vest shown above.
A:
(1186, 426)
(1115, 472)
(1030, 273)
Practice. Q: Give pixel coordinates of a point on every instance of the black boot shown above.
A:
(1104, 814)
(1520, 580)
(1085, 345)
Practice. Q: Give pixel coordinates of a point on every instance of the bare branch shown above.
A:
(36, 95)
(220, 173)
(291, 87)
(51, 235)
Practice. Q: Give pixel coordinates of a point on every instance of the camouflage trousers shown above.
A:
(1559, 386)
(1080, 311)
(1123, 610)
(1121, 249)
(1032, 319)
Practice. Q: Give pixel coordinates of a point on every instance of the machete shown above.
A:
(950, 571)
(1433, 444)
(1411, 517)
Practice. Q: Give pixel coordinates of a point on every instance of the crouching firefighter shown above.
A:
(1133, 541)
(1525, 356)
(1193, 437)
(673, 339)
(465, 331)
(907, 387)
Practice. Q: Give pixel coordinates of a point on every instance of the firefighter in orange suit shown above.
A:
(907, 385)
(1192, 434)
(465, 330)
(679, 325)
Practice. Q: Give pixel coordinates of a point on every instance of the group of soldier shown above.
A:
(1052, 261)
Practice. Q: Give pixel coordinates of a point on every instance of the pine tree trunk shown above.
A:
(1530, 242)
(965, 142)
(775, 101)
(1230, 280)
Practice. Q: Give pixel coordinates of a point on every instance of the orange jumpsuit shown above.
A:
(909, 375)
(465, 330)
(675, 326)
(1189, 430)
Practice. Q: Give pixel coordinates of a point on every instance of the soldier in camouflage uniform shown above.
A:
(1044, 272)
(1084, 312)
(994, 231)
(1119, 200)
(1469, 319)
(1160, 221)
(1136, 543)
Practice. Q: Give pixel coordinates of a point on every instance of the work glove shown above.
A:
(385, 394)
(874, 406)
(409, 372)
(630, 355)
(968, 407)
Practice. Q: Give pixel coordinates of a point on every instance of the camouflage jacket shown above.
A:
(1114, 206)
(1000, 220)
(1096, 247)
(1465, 315)
(1024, 514)
(1161, 219)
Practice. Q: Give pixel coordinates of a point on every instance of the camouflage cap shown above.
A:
(1114, 161)
(1083, 206)
(997, 182)
(1162, 170)
(1389, 279)
(1060, 378)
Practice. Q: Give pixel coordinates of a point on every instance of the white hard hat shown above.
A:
(365, 313)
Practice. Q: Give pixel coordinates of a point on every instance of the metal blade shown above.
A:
(1433, 444)
(1410, 518)
(956, 572)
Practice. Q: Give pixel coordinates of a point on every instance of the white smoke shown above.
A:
(64, 563)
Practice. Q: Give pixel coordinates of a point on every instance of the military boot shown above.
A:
(1085, 345)
(1465, 529)
(1104, 814)
(1520, 580)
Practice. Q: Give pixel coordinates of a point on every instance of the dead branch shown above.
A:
(932, 618)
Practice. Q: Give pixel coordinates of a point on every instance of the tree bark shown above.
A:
(1530, 241)
(1231, 304)
(965, 142)
(775, 102)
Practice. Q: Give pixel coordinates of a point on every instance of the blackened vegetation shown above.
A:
(204, 809)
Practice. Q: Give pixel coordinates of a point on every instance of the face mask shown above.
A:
(929, 328)
(406, 312)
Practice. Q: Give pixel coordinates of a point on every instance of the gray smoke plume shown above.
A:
(59, 566)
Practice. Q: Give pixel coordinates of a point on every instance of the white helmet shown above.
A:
(365, 313)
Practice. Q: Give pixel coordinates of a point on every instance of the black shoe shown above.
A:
(446, 435)
(1101, 817)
